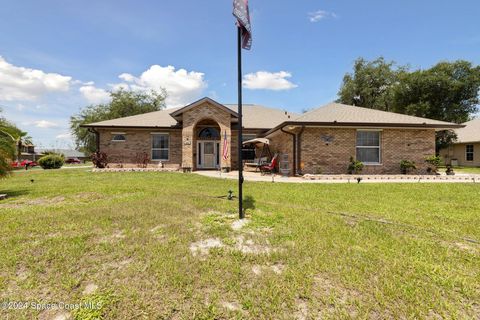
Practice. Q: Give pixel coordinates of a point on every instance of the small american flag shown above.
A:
(225, 146)
(241, 12)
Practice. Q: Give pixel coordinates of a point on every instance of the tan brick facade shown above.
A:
(194, 116)
(320, 149)
(328, 150)
(138, 142)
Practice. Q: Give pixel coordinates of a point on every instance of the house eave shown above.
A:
(364, 125)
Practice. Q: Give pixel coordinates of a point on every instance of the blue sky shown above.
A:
(59, 56)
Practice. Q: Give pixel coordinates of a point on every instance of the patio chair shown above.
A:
(270, 168)
(257, 163)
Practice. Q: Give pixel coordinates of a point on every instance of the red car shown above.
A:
(28, 163)
(24, 163)
(73, 160)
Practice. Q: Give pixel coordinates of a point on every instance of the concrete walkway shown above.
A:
(255, 176)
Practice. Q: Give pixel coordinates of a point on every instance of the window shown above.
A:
(368, 147)
(160, 146)
(469, 152)
(118, 136)
(209, 133)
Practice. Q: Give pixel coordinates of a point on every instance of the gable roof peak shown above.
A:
(201, 101)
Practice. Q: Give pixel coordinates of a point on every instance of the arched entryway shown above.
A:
(207, 145)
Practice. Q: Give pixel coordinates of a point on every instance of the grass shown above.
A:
(475, 170)
(161, 246)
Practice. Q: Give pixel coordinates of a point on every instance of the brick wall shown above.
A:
(138, 141)
(195, 115)
(332, 157)
(319, 155)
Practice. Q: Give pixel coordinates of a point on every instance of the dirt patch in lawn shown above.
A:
(89, 196)
(203, 247)
(116, 236)
(35, 202)
(249, 246)
(302, 309)
(277, 268)
(334, 296)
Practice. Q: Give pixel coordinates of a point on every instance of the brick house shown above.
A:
(321, 140)
(466, 150)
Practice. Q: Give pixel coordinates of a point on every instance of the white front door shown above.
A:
(207, 154)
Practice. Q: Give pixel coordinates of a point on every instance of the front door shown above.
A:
(207, 154)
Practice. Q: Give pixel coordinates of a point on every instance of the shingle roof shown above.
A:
(254, 117)
(160, 119)
(471, 133)
(260, 117)
(341, 113)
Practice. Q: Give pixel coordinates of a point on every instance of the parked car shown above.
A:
(15, 164)
(73, 161)
(28, 163)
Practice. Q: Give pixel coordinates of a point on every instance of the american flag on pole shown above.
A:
(225, 146)
(241, 12)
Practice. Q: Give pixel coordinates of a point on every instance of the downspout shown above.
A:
(299, 148)
(294, 136)
(97, 138)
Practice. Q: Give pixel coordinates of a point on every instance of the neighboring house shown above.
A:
(27, 152)
(321, 140)
(67, 153)
(466, 150)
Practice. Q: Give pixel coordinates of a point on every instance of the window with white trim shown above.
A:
(160, 146)
(119, 136)
(368, 146)
(469, 152)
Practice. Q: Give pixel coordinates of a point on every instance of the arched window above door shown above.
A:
(209, 133)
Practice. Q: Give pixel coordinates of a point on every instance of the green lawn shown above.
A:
(475, 170)
(329, 251)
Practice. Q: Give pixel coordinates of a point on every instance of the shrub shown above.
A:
(433, 163)
(100, 160)
(406, 165)
(354, 166)
(51, 161)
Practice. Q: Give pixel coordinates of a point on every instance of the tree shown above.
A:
(448, 91)
(370, 84)
(123, 104)
(10, 140)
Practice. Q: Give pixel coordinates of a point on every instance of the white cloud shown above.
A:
(21, 107)
(44, 124)
(19, 83)
(320, 15)
(94, 95)
(268, 81)
(64, 136)
(182, 86)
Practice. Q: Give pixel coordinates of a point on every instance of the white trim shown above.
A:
(472, 152)
(200, 154)
(379, 147)
(114, 134)
(152, 148)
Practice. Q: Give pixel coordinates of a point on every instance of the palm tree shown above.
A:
(8, 146)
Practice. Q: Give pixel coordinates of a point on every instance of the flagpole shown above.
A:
(240, 160)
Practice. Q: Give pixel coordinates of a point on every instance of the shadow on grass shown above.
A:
(14, 193)
(248, 203)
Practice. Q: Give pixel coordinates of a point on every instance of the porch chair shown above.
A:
(257, 163)
(270, 168)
